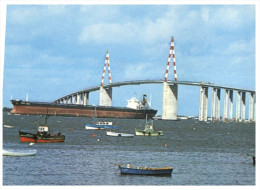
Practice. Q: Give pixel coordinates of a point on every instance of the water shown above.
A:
(200, 153)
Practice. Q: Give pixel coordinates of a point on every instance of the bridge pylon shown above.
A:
(170, 92)
(105, 94)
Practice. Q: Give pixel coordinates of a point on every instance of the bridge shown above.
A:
(170, 95)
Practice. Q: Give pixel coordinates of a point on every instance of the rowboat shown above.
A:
(134, 170)
(114, 134)
(19, 153)
(8, 126)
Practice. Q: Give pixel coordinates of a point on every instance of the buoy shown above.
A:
(165, 144)
(98, 140)
(94, 135)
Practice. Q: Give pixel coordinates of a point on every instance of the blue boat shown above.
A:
(101, 125)
(134, 170)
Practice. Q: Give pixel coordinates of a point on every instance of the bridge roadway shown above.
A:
(170, 94)
(139, 82)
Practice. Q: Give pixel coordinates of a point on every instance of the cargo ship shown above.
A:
(135, 109)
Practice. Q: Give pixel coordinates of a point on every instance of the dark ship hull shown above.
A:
(40, 108)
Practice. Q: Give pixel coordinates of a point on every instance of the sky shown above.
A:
(54, 50)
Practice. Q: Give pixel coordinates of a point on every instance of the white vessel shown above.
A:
(134, 103)
(19, 152)
(114, 134)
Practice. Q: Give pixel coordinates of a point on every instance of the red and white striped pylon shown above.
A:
(104, 70)
(172, 52)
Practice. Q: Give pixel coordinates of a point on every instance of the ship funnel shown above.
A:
(144, 99)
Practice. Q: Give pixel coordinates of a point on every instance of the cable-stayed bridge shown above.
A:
(170, 95)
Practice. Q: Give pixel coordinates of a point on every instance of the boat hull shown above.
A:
(145, 133)
(145, 171)
(19, 153)
(40, 108)
(30, 137)
(113, 134)
(100, 127)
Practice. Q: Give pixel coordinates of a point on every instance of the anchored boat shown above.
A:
(101, 125)
(42, 136)
(114, 134)
(134, 170)
(148, 130)
(135, 109)
(19, 152)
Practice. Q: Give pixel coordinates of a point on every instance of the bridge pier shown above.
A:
(238, 106)
(170, 96)
(85, 98)
(230, 106)
(73, 99)
(218, 104)
(243, 107)
(226, 98)
(251, 111)
(105, 96)
(203, 114)
(213, 104)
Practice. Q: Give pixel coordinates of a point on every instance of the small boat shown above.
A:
(114, 134)
(148, 130)
(134, 170)
(8, 126)
(19, 152)
(101, 126)
(42, 136)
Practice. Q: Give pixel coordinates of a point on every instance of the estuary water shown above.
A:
(201, 153)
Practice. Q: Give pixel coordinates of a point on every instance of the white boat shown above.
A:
(101, 125)
(19, 152)
(114, 134)
(8, 126)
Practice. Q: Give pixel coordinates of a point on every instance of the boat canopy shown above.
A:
(43, 128)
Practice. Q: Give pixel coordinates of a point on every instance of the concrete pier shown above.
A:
(238, 107)
(251, 108)
(230, 106)
(169, 109)
(243, 107)
(85, 98)
(205, 104)
(105, 96)
(218, 105)
(201, 103)
(226, 98)
(213, 105)
(74, 99)
(203, 114)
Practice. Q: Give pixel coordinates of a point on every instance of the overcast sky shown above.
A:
(54, 50)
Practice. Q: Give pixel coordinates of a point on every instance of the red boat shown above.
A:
(42, 136)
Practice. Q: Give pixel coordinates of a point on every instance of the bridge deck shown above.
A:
(139, 82)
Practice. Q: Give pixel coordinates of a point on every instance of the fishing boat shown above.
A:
(114, 134)
(134, 170)
(19, 152)
(42, 136)
(148, 130)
